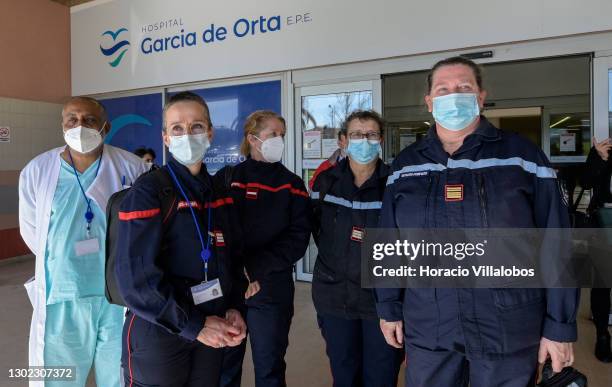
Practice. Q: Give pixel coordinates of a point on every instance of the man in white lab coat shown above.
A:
(62, 201)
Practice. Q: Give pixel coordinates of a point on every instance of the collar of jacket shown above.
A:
(184, 174)
(431, 145)
(381, 172)
(252, 164)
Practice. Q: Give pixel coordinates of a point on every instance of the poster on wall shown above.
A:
(312, 144)
(229, 108)
(5, 134)
(567, 142)
(330, 145)
(136, 122)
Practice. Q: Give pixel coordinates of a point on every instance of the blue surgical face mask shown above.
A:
(455, 111)
(363, 151)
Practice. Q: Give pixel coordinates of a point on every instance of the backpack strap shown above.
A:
(166, 194)
(229, 174)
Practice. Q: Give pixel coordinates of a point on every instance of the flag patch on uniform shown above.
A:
(194, 204)
(357, 234)
(219, 240)
(251, 192)
(453, 192)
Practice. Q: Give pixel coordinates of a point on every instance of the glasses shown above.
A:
(374, 136)
(194, 128)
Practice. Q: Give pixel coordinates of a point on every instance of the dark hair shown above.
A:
(182, 97)
(341, 133)
(455, 60)
(363, 115)
(140, 152)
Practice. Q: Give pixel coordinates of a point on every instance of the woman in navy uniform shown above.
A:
(274, 211)
(176, 271)
(468, 174)
(346, 199)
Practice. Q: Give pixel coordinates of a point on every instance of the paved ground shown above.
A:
(307, 363)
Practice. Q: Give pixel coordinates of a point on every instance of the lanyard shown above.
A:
(89, 215)
(205, 253)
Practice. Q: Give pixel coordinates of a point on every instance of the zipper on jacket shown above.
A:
(482, 197)
(427, 198)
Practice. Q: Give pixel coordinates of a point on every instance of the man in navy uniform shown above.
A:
(468, 174)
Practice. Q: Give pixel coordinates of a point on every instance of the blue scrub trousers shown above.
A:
(358, 353)
(83, 333)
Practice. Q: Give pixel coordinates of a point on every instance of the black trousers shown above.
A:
(233, 357)
(448, 368)
(600, 307)
(152, 356)
(358, 354)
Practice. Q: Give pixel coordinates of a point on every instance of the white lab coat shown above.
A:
(37, 184)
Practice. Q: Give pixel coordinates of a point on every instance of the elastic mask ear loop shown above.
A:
(101, 130)
(259, 149)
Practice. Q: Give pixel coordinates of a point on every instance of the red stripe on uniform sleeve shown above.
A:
(138, 214)
(264, 187)
(219, 203)
(299, 192)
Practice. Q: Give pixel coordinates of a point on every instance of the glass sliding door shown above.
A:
(602, 97)
(320, 112)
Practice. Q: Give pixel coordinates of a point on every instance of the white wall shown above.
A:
(340, 31)
(35, 128)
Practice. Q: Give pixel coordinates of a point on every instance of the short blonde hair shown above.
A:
(254, 124)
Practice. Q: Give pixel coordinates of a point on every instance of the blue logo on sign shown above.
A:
(122, 121)
(111, 51)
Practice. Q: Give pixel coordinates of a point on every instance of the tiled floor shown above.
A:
(307, 363)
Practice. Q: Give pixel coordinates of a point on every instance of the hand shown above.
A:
(252, 290)
(561, 354)
(217, 332)
(235, 319)
(393, 332)
(603, 148)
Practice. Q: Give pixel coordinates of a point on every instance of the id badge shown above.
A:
(206, 291)
(88, 246)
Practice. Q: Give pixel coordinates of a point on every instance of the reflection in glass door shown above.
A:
(602, 97)
(323, 109)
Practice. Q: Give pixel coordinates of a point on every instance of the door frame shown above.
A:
(316, 88)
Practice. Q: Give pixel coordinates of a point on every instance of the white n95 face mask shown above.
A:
(189, 149)
(272, 149)
(83, 139)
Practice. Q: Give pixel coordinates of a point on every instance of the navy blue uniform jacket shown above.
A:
(274, 212)
(158, 257)
(507, 183)
(341, 211)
